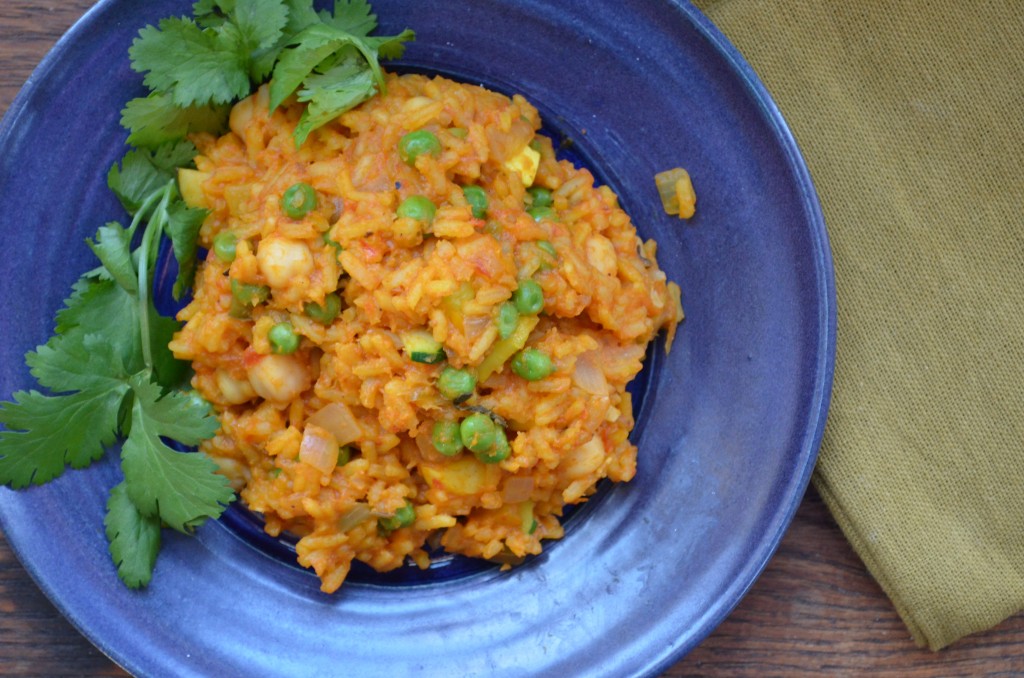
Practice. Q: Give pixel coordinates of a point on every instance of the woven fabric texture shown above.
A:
(911, 118)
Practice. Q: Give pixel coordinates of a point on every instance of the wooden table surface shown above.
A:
(815, 610)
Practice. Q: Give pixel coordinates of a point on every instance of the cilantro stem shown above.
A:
(147, 256)
(140, 214)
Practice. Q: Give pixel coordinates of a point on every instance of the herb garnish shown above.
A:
(113, 375)
(108, 369)
(197, 66)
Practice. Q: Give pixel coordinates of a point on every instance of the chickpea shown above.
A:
(233, 391)
(279, 378)
(282, 260)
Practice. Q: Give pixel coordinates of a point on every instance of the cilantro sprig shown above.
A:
(195, 66)
(108, 370)
(111, 375)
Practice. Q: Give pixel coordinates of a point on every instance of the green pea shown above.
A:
(299, 200)
(404, 517)
(326, 313)
(508, 318)
(249, 294)
(528, 297)
(244, 296)
(547, 247)
(446, 437)
(532, 365)
(541, 197)
(541, 213)
(225, 245)
(283, 338)
(499, 451)
(455, 385)
(417, 207)
(415, 144)
(478, 432)
(477, 199)
(344, 455)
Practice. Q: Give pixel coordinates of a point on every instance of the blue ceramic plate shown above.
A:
(728, 424)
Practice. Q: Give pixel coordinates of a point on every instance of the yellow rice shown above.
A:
(604, 300)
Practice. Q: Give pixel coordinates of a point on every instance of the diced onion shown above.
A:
(585, 459)
(621, 363)
(424, 442)
(339, 420)
(319, 449)
(358, 514)
(676, 192)
(473, 325)
(507, 144)
(517, 489)
(589, 376)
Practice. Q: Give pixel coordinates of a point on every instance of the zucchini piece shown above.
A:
(422, 347)
(504, 349)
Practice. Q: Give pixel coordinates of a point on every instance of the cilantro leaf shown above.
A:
(103, 308)
(113, 249)
(134, 538)
(75, 362)
(331, 94)
(168, 371)
(313, 45)
(301, 16)
(156, 120)
(212, 13)
(182, 228)
(143, 172)
(195, 66)
(393, 46)
(345, 57)
(36, 451)
(135, 180)
(260, 25)
(258, 18)
(97, 364)
(214, 58)
(352, 16)
(182, 489)
(167, 158)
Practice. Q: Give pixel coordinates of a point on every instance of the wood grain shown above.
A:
(814, 611)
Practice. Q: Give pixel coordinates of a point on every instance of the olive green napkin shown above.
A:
(911, 118)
